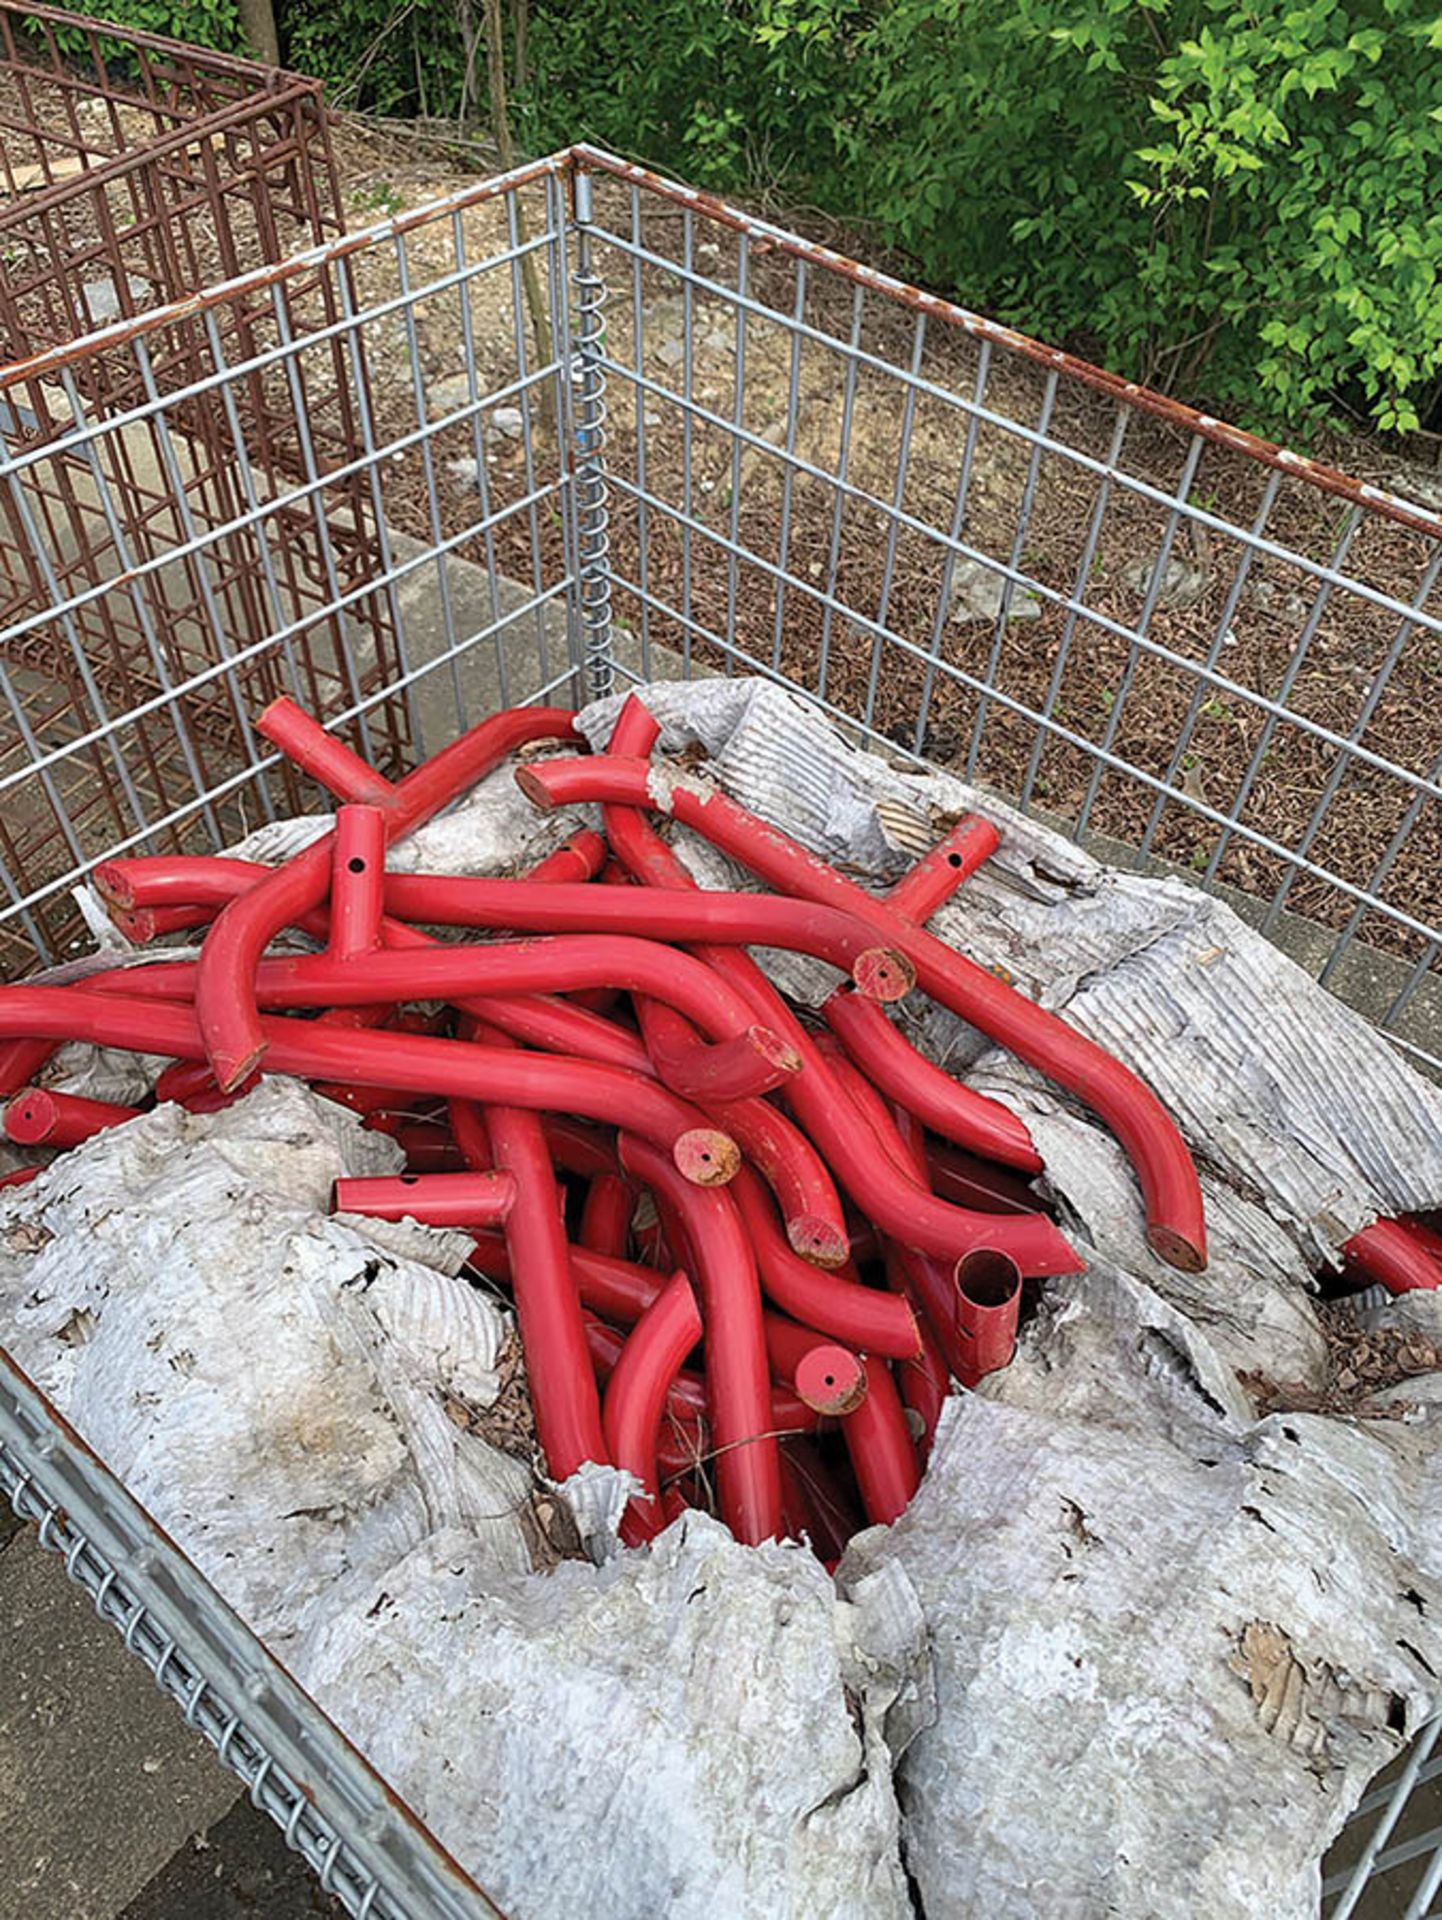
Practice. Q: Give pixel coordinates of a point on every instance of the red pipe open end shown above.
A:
(1187, 1256)
(707, 1157)
(817, 1240)
(881, 973)
(988, 1278)
(114, 887)
(831, 1380)
(231, 1074)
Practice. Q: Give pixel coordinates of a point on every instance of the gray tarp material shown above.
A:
(296, 1397)
(1133, 1652)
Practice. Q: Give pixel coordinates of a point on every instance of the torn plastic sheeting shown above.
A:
(293, 1406)
(1197, 1635)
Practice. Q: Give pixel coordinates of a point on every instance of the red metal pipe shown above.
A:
(358, 866)
(1387, 1253)
(436, 1199)
(970, 1181)
(988, 1300)
(37, 1117)
(20, 1061)
(428, 1150)
(945, 1105)
(327, 759)
(636, 1398)
(857, 1315)
(606, 1216)
(584, 1151)
(224, 1000)
(145, 924)
(468, 1130)
(737, 1374)
(938, 874)
(925, 1381)
(826, 1375)
(21, 1177)
(313, 1052)
(883, 1454)
(1176, 1228)
(748, 1064)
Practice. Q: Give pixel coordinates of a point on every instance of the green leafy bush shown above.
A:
(204, 23)
(1235, 203)
(1239, 204)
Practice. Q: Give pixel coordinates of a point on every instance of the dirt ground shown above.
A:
(879, 466)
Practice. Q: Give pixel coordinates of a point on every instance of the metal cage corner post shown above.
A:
(373, 476)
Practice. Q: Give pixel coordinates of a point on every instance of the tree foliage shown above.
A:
(1239, 203)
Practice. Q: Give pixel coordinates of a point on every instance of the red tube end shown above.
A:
(1176, 1249)
(774, 1050)
(231, 1075)
(531, 784)
(30, 1117)
(707, 1157)
(817, 1240)
(881, 973)
(988, 1278)
(831, 1380)
(111, 884)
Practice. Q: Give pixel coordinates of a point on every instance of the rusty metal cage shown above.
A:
(139, 170)
(383, 478)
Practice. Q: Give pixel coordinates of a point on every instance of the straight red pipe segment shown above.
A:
(937, 874)
(230, 1025)
(357, 876)
(882, 1451)
(40, 1117)
(436, 1199)
(1176, 1228)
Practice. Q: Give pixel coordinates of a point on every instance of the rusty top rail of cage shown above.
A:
(568, 162)
(198, 62)
(190, 134)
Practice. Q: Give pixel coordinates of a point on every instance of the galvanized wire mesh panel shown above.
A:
(519, 445)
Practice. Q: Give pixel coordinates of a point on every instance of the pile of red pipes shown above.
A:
(748, 1252)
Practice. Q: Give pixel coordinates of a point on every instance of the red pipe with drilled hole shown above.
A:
(312, 1052)
(1386, 1253)
(519, 906)
(436, 1199)
(358, 867)
(636, 1398)
(945, 1105)
(224, 1000)
(38, 1117)
(738, 1382)
(938, 874)
(827, 1377)
(1176, 1228)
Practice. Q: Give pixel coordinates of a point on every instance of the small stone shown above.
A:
(1182, 584)
(449, 395)
(977, 593)
(671, 353)
(102, 297)
(509, 422)
(465, 473)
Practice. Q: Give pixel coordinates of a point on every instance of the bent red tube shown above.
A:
(945, 1105)
(856, 1315)
(747, 1064)
(1176, 1228)
(937, 875)
(435, 1199)
(606, 1216)
(20, 1177)
(738, 1379)
(636, 1398)
(224, 1001)
(313, 1052)
(1387, 1253)
(687, 1402)
(883, 1454)
(38, 1117)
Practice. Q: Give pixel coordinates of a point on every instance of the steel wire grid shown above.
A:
(728, 448)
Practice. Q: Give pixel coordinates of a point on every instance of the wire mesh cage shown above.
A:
(577, 425)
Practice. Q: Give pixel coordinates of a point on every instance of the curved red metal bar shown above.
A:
(636, 1398)
(1387, 1253)
(882, 1451)
(1176, 1227)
